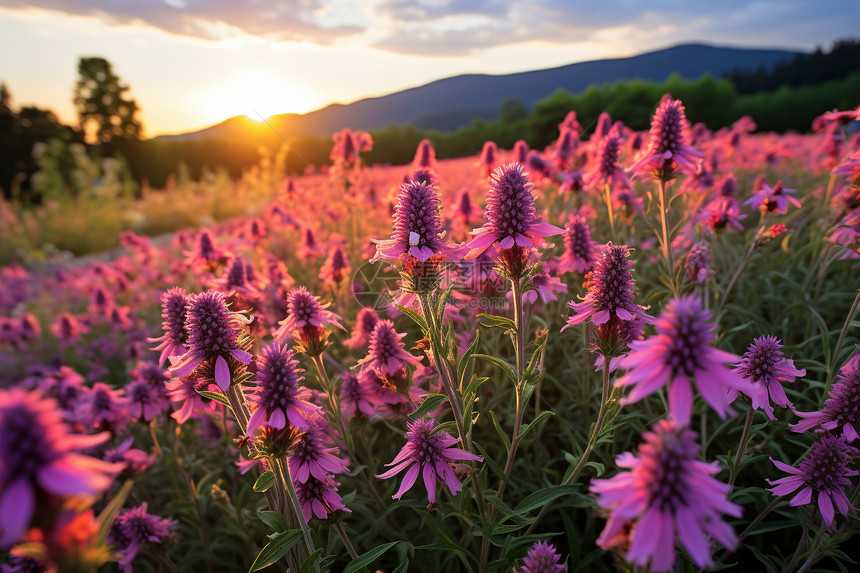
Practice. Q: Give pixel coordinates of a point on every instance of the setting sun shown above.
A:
(257, 95)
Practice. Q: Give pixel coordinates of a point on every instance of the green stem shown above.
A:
(334, 407)
(718, 312)
(833, 363)
(736, 467)
(592, 440)
(667, 245)
(800, 545)
(758, 519)
(338, 526)
(282, 471)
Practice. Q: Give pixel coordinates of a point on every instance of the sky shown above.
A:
(193, 63)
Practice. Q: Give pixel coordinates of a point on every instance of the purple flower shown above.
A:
(106, 408)
(823, 473)
(184, 391)
(697, 263)
(579, 248)
(280, 397)
(310, 456)
(842, 407)
(365, 321)
(425, 155)
(173, 311)
(355, 397)
(545, 287)
(766, 369)
(146, 402)
(610, 290)
(386, 353)
(304, 312)
(335, 268)
(678, 352)
(510, 214)
(604, 168)
(213, 336)
(133, 528)
(39, 458)
(417, 226)
(722, 213)
(319, 497)
(669, 494)
(429, 454)
(236, 281)
(773, 199)
(667, 150)
(541, 558)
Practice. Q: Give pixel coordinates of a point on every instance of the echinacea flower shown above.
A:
(669, 495)
(821, 477)
(417, 226)
(145, 401)
(213, 336)
(541, 558)
(173, 311)
(280, 396)
(841, 409)
(319, 497)
(545, 287)
(310, 456)
(425, 155)
(681, 351)
(133, 528)
(106, 408)
(668, 151)
(335, 268)
(41, 458)
(430, 454)
(510, 214)
(773, 199)
(387, 353)
(766, 369)
(579, 248)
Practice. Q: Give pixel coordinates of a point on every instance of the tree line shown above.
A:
(109, 124)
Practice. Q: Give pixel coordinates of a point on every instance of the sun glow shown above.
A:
(257, 95)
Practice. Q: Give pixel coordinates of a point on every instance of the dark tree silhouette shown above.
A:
(104, 111)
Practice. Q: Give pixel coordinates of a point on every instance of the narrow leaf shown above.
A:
(417, 318)
(430, 403)
(366, 559)
(276, 548)
(273, 519)
(501, 364)
(540, 417)
(217, 396)
(264, 482)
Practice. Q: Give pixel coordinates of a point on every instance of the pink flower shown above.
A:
(510, 214)
(822, 474)
(841, 407)
(387, 353)
(774, 199)
(681, 351)
(766, 369)
(39, 458)
(319, 497)
(667, 150)
(429, 454)
(668, 494)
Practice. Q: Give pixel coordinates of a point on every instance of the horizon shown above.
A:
(190, 65)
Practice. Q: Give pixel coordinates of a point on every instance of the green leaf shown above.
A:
(505, 439)
(217, 396)
(276, 548)
(496, 321)
(443, 300)
(273, 519)
(309, 563)
(430, 403)
(264, 482)
(540, 417)
(506, 368)
(463, 363)
(416, 318)
(543, 496)
(402, 568)
(366, 559)
(108, 514)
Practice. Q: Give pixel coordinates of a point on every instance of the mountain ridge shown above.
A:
(481, 95)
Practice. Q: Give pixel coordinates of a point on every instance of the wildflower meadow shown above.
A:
(627, 351)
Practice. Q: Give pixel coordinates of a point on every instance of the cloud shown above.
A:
(283, 20)
(458, 27)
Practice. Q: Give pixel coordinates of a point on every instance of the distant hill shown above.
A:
(452, 102)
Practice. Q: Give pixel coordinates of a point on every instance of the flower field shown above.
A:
(629, 351)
